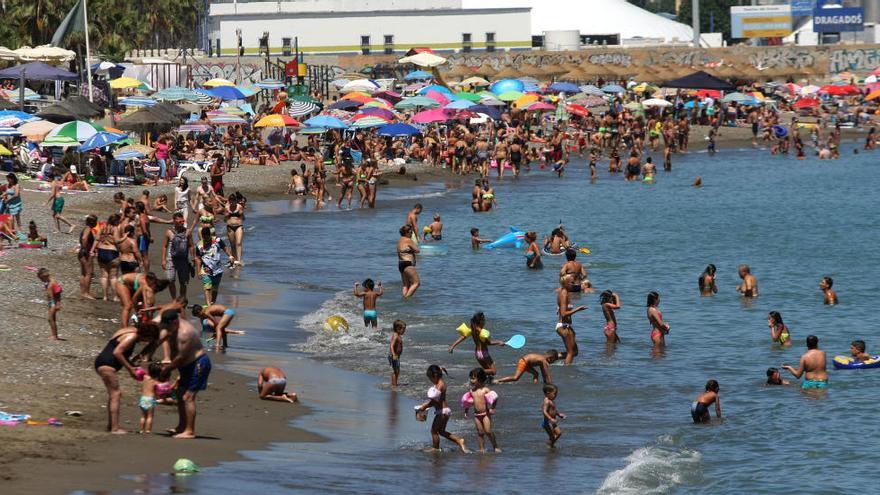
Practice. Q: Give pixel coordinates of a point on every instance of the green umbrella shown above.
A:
(77, 131)
(417, 101)
(510, 96)
(464, 95)
(306, 99)
(487, 94)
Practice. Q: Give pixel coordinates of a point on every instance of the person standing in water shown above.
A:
(482, 342)
(406, 261)
(564, 327)
(442, 412)
(812, 366)
(610, 303)
(533, 252)
(659, 328)
(749, 287)
(830, 296)
(412, 219)
(778, 330)
(573, 275)
(700, 406)
(706, 281)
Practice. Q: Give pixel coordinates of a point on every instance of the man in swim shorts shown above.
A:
(189, 357)
(271, 383)
(749, 287)
(531, 363)
(57, 202)
(812, 365)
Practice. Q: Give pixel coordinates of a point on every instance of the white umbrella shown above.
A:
(365, 85)
(656, 102)
(423, 59)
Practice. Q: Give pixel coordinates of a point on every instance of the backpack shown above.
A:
(179, 246)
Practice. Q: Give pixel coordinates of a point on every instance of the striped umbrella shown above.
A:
(300, 108)
(225, 119)
(13, 94)
(270, 84)
(202, 98)
(194, 127)
(176, 93)
(9, 132)
(137, 101)
(369, 121)
(77, 130)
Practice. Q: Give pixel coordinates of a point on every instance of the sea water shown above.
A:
(628, 428)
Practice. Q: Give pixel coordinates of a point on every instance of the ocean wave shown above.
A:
(654, 469)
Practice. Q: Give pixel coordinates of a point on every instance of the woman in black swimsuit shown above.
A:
(235, 225)
(108, 254)
(86, 257)
(406, 261)
(116, 355)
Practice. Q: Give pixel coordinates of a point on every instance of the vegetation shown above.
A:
(115, 26)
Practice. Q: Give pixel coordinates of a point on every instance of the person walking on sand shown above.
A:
(12, 198)
(271, 383)
(116, 355)
(190, 359)
(57, 202)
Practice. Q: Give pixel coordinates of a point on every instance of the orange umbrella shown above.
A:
(357, 96)
(873, 95)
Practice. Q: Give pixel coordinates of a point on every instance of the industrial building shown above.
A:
(362, 26)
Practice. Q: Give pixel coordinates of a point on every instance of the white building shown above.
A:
(364, 26)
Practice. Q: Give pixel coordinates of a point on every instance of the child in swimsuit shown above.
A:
(147, 402)
(442, 412)
(53, 297)
(700, 406)
(481, 343)
(550, 422)
(395, 349)
(610, 302)
(778, 330)
(371, 317)
(484, 402)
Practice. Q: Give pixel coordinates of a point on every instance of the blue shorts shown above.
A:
(211, 282)
(819, 384)
(371, 317)
(194, 376)
(395, 363)
(229, 312)
(143, 243)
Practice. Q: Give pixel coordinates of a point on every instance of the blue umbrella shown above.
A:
(137, 101)
(417, 75)
(693, 103)
(271, 84)
(327, 122)
(435, 87)
(226, 93)
(564, 87)
(492, 112)
(345, 105)
(6, 131)
(459, 105)
(100, 140)
(398, 130)
(612, 88)
(592, 90)
(15, 114)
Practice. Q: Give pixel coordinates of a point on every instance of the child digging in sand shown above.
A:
(53, 297)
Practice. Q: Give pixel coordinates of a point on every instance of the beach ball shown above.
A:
(185, 466)
(336, 323)
(506, 85)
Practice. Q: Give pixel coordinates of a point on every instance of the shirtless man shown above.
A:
(57, 201)
(189, 357)
(270, 386)
(573, 275)
(825, 285)
(813, 364)
(749, 287)
(412, 219)
(532, 363)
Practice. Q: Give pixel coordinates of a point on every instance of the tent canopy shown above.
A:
(700, 80)
(38, 71)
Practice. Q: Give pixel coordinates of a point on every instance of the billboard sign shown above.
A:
(801, 7)
(838, 20)
(760, 21)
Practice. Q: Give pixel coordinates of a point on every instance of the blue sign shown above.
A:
(838, 20)
(801, 7)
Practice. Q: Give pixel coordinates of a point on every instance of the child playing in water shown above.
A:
(610, 302)
(531, 363)
(435, 230)
(442, 412)
(700, 406)
(395, 349)
(53, 296)
(371, 317)
(550, 413)
(475, 239)
(484, 402)
(857, 349)
(216, 319)
(271, 383)
(147, 402)
(774, 378)
(830, 296)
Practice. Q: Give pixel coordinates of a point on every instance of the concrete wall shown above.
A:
(340, 32)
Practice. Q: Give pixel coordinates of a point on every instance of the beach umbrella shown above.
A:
(379, 112)
(326, 122)
(613, 88)
(37, 129)
(708, 93)
(423, 59)
(564, 87)
(149, 119)
(133, 151)
(6, 131)
(194, 127)
(21, 116)
(60, 141)
(510, 96)
(417, 75)
(633, 105)
(77, 130)
(226, 93)
(737, 98)
(175, 93)
(100, 140)
(271, 84)
(362, 116)
(459, 105)
(300, 108)
(277, 120)
(416, 102)
(464, 95)
(435, 87)
(592, 90)
(429, 116)
(491, 112)
(217, 82)
(593, 101)
(389, 96)
(656, 102)
(809, 89)
(4, 151)
(357, 96)
(338, 83)
(345, 105)
(694, 103)
(526, 100)
(475, 81)
(873, 95)
(644, 88)
(540, 106)
(361, 85)
(248, 91)
(14, 94)
(806, 103)
(400, 129)
(575, 109)
(494, 102)
(126, 83)
(224, 118)
(369, 121)
(137, 101)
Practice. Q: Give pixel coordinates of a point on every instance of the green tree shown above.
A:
(717, 11)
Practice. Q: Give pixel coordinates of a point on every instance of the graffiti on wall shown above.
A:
(688, 58)
(783, 58)
(250, 73)
(860, 59)
(622, 59)
(519, 59)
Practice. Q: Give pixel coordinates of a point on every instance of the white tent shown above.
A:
(595, 17)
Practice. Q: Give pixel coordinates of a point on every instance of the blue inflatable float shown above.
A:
(848, 363)
(514, 238)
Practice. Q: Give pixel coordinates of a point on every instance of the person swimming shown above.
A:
(778, 330)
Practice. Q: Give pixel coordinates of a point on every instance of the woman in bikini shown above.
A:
(86, 257)
(706, 281)
(564, 327)
(235, 225)
(659, 328)
(610, 303)
(133, 287)
(129, 255)
(406, 261)
(108, 254)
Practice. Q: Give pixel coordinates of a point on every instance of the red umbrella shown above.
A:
(806, 103)
(578, 110)
(709, 93)
(429, 116)
(540, 107)
(834, 90)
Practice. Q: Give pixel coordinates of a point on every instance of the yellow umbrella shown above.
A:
(213, 83)
(277, 120)
(525, 100)
(641, 88)
(125, 83)
(4, 151)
